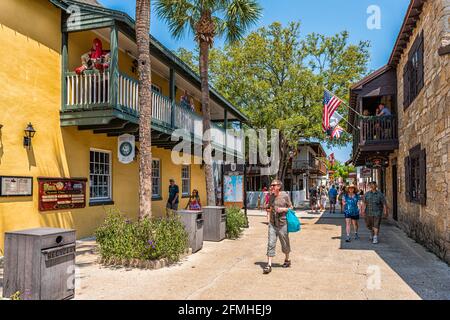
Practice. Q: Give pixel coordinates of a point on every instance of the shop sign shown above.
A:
(16, 186)
(61, 194)
(366, 173)
(126, 148)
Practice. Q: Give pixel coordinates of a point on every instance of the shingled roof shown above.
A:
(92, 2)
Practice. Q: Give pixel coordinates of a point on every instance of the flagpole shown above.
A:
(344, 103)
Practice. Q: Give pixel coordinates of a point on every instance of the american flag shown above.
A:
(337, 132)
(331, 104)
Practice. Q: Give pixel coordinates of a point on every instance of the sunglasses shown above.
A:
(274, 185)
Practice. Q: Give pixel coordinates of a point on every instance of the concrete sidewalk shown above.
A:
(324, 267)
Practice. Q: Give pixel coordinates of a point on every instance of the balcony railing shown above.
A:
(375, 130)
(313, 165)
(91, 91)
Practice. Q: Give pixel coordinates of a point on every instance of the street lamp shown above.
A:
(29, 134)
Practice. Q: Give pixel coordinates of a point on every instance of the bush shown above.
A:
(148, 239)
(236, 223)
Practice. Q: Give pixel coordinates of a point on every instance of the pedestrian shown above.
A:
(332, 194)
(194, 203)
(313, 198)
(174, 193)
(341, 197)
(373, 209)
(279, 205)
(351, 201)
(323, 199)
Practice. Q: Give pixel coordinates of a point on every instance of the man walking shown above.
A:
(374, 207)
(174, 192)
(332, 194)
(279, 205)
(313, 195)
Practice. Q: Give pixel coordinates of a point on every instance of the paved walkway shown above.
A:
(324, 267)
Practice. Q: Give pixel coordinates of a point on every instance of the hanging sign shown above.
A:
(126, 149)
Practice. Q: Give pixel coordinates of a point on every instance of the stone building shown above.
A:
(410, 149)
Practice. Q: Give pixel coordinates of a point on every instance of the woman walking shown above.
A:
(351, 202)
(279, 205)
(323, 199)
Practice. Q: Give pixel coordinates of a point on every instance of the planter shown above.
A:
(139, 264)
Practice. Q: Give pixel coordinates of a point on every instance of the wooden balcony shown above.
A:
(314, 166)
(376, 136)
(109, 104)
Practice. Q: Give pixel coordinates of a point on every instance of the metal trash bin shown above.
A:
(40, 264)
(193, 223)
(215, 223)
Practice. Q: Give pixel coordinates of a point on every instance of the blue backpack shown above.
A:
(293, 223)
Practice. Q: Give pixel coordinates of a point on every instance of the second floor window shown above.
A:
(155, 88)
(413, 75)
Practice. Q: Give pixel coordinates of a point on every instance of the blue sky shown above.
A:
(321, 16)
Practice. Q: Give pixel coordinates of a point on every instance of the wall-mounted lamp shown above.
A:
(29, 134)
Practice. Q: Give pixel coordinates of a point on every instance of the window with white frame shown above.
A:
(156, 178)
(186, 181)
(100, 175)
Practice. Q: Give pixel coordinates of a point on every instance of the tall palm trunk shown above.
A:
(145, 107)
(204, 60)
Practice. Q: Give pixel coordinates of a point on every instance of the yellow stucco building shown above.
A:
(78, 118)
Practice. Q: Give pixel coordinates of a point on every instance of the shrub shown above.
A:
(236, 223)
(148, 239)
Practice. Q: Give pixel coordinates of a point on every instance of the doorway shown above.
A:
(394, 193)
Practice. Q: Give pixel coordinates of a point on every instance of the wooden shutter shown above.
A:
(420, 71)
(423, 177)
(408, 179)
(406, 85)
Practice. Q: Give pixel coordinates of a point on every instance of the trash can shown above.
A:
(193, 223)
(40, 264)
(215, 224)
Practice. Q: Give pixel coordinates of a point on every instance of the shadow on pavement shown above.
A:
(428, 276)
(262, 265)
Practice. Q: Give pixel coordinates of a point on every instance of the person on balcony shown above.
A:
(191, 104)
(381, 130)
(184, 102)
(383, 111)
(97, 58)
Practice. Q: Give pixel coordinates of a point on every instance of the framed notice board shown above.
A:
(16, 186)
(61, 194)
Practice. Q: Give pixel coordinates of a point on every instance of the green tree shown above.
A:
(278, 80)
(145, 106)
(208, 19)
(339, 170)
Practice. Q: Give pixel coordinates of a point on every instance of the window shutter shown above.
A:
(408, 179)
(423, 177)
(406, 85)
(420, 71)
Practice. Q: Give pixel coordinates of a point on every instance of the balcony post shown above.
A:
(172, 96)
(64, 67)
(114, 66)
(225, 127)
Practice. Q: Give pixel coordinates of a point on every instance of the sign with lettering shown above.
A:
(16, 186)
(61, 194)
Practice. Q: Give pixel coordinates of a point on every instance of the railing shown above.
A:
(91, 89)
(378, 129)
(314, 164)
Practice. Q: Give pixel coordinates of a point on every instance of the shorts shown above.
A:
(373, 222)
(347, 216)
(282, 233)
(333, 200)
(171, 206)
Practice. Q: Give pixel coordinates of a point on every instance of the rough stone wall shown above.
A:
(427, 121)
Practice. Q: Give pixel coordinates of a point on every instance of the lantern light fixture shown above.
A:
(29, 134)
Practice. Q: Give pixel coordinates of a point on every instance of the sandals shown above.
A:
(267, 269)
(287, 264)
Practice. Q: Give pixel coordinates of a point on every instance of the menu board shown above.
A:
(16, 186)
(60, 194)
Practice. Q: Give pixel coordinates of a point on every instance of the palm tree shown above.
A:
(208, 19)
(145, 107)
